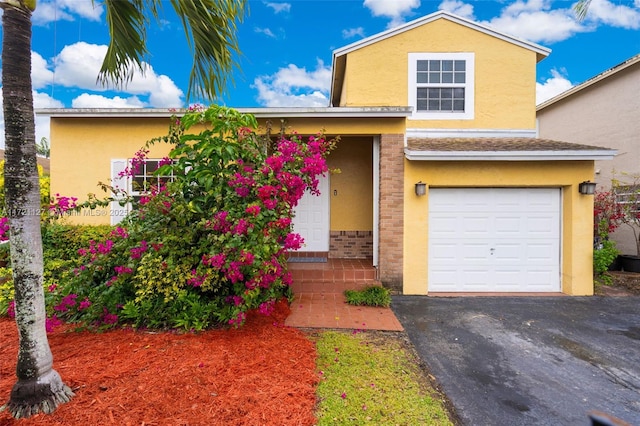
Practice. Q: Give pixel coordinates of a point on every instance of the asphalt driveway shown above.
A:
(530, 360)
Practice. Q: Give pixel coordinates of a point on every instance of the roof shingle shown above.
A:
(495, 145)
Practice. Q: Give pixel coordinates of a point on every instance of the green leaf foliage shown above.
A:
(369, 296)
(207, 247)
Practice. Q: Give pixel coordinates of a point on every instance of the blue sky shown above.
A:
(287, 46)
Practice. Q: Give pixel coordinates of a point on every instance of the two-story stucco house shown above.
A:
(444, 185)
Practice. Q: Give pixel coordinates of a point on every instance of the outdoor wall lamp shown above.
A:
(587, 187)
(421, 189)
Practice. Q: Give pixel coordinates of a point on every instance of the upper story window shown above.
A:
(441, 85)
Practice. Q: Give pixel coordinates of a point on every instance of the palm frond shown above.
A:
(581, 8)
(211, 27)
(127, 22)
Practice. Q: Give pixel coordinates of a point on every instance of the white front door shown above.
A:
(494, 240)
(311, 218)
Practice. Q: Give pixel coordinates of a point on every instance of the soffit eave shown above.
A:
(509, 155)
(328, 112)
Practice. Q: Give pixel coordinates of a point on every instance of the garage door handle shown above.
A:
(492, 250)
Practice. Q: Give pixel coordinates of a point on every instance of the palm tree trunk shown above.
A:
(39, 388)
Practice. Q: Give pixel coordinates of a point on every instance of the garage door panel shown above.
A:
(538, 279)
(541, 252)
(444, 252)
(470, 252)
(504, 251)
(494, 239)
(543, 225)
(508, 225)
(443, 225)
(473, 226)
(447, 278)
(507, 280)
(475, 279)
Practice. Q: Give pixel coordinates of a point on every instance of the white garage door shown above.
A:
(494, 240)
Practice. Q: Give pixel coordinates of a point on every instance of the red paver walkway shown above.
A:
(329, 310)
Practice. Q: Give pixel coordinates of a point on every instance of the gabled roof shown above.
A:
(593, 80)
(340, 55)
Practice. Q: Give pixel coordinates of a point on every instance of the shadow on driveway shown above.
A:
(530, 360)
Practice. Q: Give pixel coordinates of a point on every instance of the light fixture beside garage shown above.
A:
(421, 189)
(587, 187)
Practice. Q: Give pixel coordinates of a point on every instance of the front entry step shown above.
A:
(335, 275)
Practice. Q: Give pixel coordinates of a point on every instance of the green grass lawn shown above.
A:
(373, 378)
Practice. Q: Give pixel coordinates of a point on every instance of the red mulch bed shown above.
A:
(261, 374)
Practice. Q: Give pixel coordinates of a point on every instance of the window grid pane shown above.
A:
(440, 99)
(143, 180)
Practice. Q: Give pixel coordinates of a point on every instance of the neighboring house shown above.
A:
(42, 161)
(603, 111)
(440, 101)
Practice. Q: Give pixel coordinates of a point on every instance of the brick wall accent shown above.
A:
(351, 244)
(391, 210)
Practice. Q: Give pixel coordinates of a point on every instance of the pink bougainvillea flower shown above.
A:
(108, 318)
(123, 270)
(293, 241)
(84, 304)
(267, 307)
(119, 232)
(52, 323)
(196, 280)
(136, 252)
(4, 229)
(238, 320)
(253, 210)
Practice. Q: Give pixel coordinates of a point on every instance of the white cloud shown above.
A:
(396, 9)
(87, 100)
(551, 87)
(458, 7)
(279, 7)
(65, 10)
(41, 75)
(533, 20)
(614, 14)
(353, 32)
(42, 100)
(265, 31)
(78, 65)
(537, 21)
(295, 87)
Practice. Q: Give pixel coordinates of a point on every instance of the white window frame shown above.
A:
(133, 192)
(628, 196)
(469, 86)
(125, 183)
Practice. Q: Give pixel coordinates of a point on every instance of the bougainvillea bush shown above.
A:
(607, 214)
(208, 245)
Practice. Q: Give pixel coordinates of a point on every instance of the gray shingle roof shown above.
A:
(495, 145)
